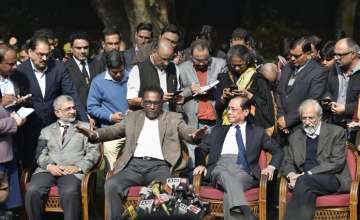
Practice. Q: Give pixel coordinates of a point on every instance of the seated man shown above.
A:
(314, 162)
(63, 156)
(234, 153)
(152, 148)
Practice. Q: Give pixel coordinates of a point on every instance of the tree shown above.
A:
(345, 16)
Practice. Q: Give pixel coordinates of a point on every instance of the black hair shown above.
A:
(245, 103)
(339, 34)
(36, 39)
(240, 33)
(78, 35)
(147, 26)
(303, 42)
(44, 32)
(110, 31)
(114, 59)
(171, 28)
(200, 44)
(155, 89)
(327, 51)
(316, 41)
(242, 52)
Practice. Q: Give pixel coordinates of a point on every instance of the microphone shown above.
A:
(21, 99)
(145, 192)
(146, 205)
(129, 213)
(156, 191)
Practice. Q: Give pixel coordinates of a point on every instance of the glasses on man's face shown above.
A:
(149, 103)
(239, 66)
(42, 55)
(232, 109)
(198, 61)
(310, 118)
(296, 56)
(341, 55)
(68, 109)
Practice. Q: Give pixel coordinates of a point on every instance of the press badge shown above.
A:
(291, 82)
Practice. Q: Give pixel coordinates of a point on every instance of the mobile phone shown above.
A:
(232, 88)
(177, 92)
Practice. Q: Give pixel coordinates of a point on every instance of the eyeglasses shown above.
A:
(296, 56)
(68, 109)
(341, 55)
(197, 61)
(148, 103)
(233, 109)
(42, 55)
(238, 65)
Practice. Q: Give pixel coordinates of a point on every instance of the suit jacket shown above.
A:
(58, 82)
(352, 92)
(8, 127)
(76, 149)
(256, 139)
(98, 64)
(310, 83)
(78, 78)
(331, 154)
(187, 75)
(129, 56)
(171, 128)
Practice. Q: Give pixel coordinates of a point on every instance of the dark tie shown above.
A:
(241, 159)
(84, 72)
(64, 132)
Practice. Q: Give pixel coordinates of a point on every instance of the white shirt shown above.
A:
(41, 78)
(6, 86)
(230, 145)
(133, 83)
(81, 67)
(61, 124)
(148, 143)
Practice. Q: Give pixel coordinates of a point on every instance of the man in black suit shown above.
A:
(314, 162)
(301, 79)
(344, 81)
(78, 66)
(143, 35)
(234, 153)
(45, 79)
(111, 41)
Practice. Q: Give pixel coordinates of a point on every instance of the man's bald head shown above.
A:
(165, 47)
(7, 60)
(163, 55)
(269, 71)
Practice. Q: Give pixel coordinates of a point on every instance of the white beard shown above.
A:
(67, 120)
(310, 130)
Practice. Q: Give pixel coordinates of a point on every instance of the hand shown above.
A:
(227, 94)
(195, 89)
(167, 96)
(246, 93)
(55, 170)
(92, 122)
(67, 170)
(200, 170)
(116, 117)
(269, 170)
(19, 120)
(337, 108)
(7, 100)
(199, 133)
(92, 135)
(281, 122)
(180, 99)
(293, 178)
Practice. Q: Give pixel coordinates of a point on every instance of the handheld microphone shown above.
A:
(156, 191)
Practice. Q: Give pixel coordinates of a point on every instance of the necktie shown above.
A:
(84, 72)
(241, 159)
(64, 132)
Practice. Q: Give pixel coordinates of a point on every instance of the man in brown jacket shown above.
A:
(152, 149)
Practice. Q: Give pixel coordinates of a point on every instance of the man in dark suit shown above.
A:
(143, 35)
(45, 79)
(111, 41)
(63, 157)
(234, 153)
(301, 79)
(144, 158)
(343, 85)
(315, 162)
(78, 66)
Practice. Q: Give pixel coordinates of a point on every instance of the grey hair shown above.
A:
(60, 100)
(311, 102)
(352, 45)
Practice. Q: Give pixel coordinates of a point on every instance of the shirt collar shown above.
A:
(242, 126)
(78, 62)
(36, 70)
(108, 76)
(356, 68)
(63, 124)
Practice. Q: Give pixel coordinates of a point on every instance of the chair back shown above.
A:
(263, 161)
(353, 163)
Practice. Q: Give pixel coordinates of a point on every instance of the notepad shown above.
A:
(24, 112)
(207, 87)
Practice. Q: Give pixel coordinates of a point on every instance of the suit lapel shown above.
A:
(162, 127)
(57, 134)
(139, 124)
(77, 72)
(69, 134)
(221, 137)
(322, 139)
(249, 137)
(300, 147)
(33, 80)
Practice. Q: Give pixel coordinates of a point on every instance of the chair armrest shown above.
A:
(283, 189)
(26, 176)
(354, 190)
(263, 187)
(197, 183)
(85, 181)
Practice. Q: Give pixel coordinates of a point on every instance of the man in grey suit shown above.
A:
(201, 70)
(233, 160)
(152, 150)
(315, 162)
(63, 156)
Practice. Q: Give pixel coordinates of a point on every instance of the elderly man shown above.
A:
(234, 153)
(152, 150)
(343, 81)
(315, 162)
(63, 156)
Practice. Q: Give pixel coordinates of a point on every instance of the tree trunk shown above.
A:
(345, 15)
(112, 14)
